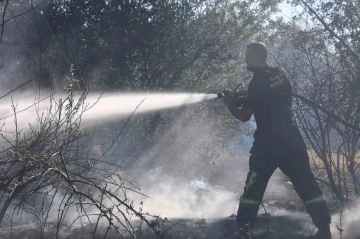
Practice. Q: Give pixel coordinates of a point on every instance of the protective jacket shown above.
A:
(269, 96)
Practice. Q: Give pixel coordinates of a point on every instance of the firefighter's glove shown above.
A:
(233, 97)
(228, 97)
(239, 97)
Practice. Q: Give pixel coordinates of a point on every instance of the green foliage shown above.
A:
(147, 45)
(341, 17)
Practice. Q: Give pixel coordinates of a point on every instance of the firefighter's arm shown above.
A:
(234, 102)
(242, 113)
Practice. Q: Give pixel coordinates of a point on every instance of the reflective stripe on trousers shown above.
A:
(248, 202)
(319, 199)
(250, 181)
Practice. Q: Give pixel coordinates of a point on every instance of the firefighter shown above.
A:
(277, 142)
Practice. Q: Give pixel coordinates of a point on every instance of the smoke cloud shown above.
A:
(350, 220)
(201, 162)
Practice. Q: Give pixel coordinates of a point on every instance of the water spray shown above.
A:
(114, 105)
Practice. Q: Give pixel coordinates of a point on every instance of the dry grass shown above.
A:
(338, 168)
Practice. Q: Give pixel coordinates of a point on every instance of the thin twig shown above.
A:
(3, 20)
(332, 33)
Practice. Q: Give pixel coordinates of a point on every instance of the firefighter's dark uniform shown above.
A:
(277, 143)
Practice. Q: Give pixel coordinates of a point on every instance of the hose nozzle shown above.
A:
(238, 88)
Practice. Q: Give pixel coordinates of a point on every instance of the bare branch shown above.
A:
(3, 20)
(332, 33)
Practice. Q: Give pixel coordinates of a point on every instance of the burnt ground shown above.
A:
(276, 223)
(272, 227)
(292, 226)
(284, 219)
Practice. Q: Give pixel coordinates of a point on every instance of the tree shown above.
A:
(126, 45)
(321, 59)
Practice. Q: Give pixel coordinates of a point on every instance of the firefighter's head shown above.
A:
(256, 54)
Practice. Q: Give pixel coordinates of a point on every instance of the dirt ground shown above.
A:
(286, 219)
(268, 227)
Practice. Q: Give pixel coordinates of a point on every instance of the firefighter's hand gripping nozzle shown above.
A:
(220, 95)
(238, 94)
(238, 90)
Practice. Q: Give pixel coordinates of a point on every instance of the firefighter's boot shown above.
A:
(242, 233)
(239, 235)
(319, 213)
(323, 233)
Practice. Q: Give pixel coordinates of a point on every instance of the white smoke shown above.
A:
(350, 221)
(202, 167)
(188, 199)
